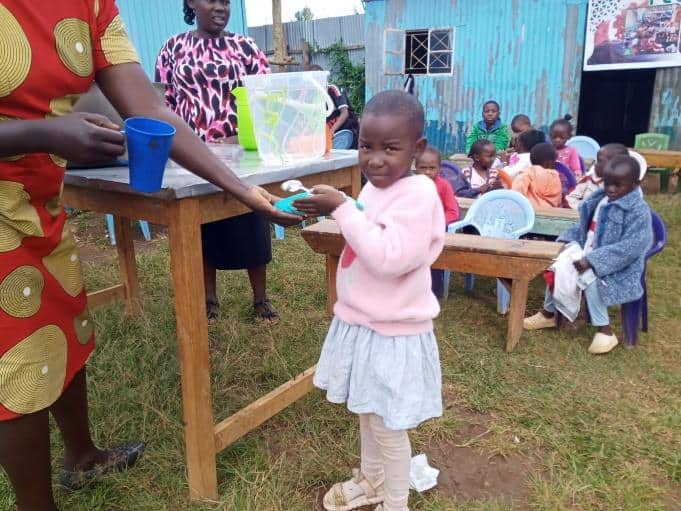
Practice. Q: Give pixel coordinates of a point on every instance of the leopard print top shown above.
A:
(199, 75)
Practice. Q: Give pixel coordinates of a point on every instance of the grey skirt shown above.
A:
(397, 378)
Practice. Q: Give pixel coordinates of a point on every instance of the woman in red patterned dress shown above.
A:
(50, 54)
(199, 69)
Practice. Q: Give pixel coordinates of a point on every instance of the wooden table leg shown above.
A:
(516, 314)
(192, 338)
(356, 180)
(331, 295)
(128, 267)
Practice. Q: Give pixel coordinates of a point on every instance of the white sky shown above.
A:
(259, 12)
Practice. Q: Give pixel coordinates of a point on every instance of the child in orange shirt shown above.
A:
(540, 183)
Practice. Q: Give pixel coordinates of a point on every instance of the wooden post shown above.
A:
(126, 262)
(280, 54)
(186, 263)
(306, 53)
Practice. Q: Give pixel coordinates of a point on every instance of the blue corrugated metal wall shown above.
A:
(525, 54)
(151, 22)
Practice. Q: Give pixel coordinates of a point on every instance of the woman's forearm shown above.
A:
(22, 137)
(188, 150)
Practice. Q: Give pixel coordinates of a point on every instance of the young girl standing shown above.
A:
(380, 355)
(561, 132)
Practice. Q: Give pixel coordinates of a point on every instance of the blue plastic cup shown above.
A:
(149, 142)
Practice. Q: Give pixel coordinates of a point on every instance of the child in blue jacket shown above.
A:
(615, 231)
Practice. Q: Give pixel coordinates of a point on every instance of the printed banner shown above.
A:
(632, 34)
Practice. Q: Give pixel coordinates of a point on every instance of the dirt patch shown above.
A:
(469, 473)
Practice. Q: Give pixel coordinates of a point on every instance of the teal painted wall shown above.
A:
(151, 22)
(525, 54)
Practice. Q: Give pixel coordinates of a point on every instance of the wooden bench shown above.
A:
(515, 261)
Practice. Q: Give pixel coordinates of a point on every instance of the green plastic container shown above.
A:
(245, 123)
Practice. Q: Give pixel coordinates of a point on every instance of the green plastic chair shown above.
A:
(659, 142)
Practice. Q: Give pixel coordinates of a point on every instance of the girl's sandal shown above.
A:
(354, 493)
(265, 312)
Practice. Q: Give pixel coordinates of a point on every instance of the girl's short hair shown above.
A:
(189, 14)
(491, 102)
(478, 146)
(531, 138)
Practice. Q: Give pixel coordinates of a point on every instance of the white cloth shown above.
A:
(567, 295)
(568, 283)
(397, 378)
(520, 165)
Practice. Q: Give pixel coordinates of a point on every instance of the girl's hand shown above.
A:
(84, 138)
(260, 201)
(323, 201)
(582, 265)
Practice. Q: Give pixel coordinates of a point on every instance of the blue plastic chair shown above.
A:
(587, 147)
(635, 314)
(497, 214)
(144, 226)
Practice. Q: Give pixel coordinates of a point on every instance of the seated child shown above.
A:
(614, 231)
(428, 164)
(593, 180)
(480, 175)
(540, 183)
(526, 141)
(490, 128)
(380, 355)
(561, 132)
(519, 124)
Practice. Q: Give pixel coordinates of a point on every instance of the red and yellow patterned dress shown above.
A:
(49, 55)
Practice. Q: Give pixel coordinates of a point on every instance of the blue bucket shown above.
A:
(149, 142)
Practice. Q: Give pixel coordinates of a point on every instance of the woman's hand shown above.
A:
(323, 201)
(84, 138)
(260, 201)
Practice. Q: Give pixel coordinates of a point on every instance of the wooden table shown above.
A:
(185, 203)
(547, 221)
(661, 159)
(517, 261)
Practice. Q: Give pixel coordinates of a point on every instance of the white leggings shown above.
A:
(386, 456)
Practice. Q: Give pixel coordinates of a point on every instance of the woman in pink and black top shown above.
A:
(199, 69)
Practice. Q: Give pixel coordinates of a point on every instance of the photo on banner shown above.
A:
(632, 34)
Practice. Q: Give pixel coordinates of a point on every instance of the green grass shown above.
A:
(606, 430)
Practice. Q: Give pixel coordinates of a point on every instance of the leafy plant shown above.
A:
(345, 74)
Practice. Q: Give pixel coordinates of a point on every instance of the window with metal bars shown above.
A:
(428, 51)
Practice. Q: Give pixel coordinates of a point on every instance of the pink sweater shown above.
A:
(383, 279)
(569, 157)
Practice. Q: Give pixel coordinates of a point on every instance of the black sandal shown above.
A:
(265, 312)
(118, 458)
(212, 312)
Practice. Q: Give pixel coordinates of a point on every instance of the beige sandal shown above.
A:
(538, 322)
(353, 493)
